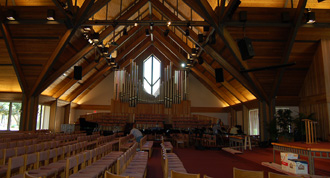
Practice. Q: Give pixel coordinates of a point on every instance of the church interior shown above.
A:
(164, 88)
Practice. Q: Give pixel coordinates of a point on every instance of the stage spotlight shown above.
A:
(183, 65)
(206, 28)
(200, 38)
(200, 60)
(125, 31)
(166, 32)
(147, 32)
(187, 32)
(50, 14)
(11, 14)
(310, 17)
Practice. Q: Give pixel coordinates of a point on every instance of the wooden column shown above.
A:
(67, 111)
(325, 44)
(29, 113)
(52, 117)
(233, 118)
(245, 115)
(264, 119)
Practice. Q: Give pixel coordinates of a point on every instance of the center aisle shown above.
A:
(154, 164)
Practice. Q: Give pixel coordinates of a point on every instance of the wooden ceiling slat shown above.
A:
(13, 56)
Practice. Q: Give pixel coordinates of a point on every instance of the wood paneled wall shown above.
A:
(315, 92)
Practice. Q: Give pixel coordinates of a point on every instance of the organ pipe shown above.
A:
(128, 88)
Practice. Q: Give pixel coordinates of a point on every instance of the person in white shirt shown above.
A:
(137, 133)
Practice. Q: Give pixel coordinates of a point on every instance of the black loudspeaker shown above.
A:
(246, 48)
(77, 72)
(219, 75)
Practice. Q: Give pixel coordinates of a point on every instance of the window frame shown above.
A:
(152, 84)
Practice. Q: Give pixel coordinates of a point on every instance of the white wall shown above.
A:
(200, 96)
(101, 94)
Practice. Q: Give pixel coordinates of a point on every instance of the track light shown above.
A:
(112, 61)
(200, 60)
(206, 28)
(105, 51)
(50, 14)
(190, 63)
(151, 25)
(125, 31)
(147, 32)
(166, 32)
(310, 17)
(11, 14)
(187, 32)
(95, 37)
(135, 24)
(193, 52)
(169, 23)
(183, 65)
(200, 38)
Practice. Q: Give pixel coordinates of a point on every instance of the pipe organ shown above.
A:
(128, 88)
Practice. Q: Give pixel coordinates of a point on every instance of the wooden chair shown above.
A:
(110, 175)
(274, 175)
(15, 166)
(205, 176)
(27, 175)
(241, 173)
(183, 175)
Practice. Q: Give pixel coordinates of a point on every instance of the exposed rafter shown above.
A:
(88, 47)
(205, 10)
(289, 45)
(13, 56)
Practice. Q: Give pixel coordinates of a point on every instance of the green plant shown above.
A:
(284, 122)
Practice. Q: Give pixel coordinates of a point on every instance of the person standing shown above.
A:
(137, 133)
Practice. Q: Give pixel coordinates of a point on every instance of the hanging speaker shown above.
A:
(219, 75)
(246, 48)
(77, 72)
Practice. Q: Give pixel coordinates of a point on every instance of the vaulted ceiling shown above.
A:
(37, 56)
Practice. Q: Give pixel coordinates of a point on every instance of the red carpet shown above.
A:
(219, 164)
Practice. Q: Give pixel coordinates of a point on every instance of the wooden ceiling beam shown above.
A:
(98, 5)
(60, 48)
(13, 56)
(88, 47)
(179, 56)
(135, 54)
(289, 44)
(68, 17)
(86, 84)
(207, 12)
(66, 85)
(82, 13)
(206, 66)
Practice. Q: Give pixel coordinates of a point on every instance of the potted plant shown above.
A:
(284, 122)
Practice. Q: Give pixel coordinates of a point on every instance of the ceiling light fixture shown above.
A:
(11, 14)
(147, 32)
(183, 65)
(50, 14)
(169, 23)
(310, 16)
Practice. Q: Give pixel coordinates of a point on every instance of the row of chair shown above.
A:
(146, 145)
(170, 162)
(132, 163)
(242, 173)
(41, 163)
(167, 145)
(126, 142)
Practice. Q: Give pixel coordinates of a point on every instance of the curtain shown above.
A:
(254, 122)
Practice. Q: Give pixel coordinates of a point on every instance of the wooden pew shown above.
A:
(146, 145)
(126, 142)
(171, 162)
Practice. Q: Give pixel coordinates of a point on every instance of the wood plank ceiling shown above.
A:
(37, 56)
